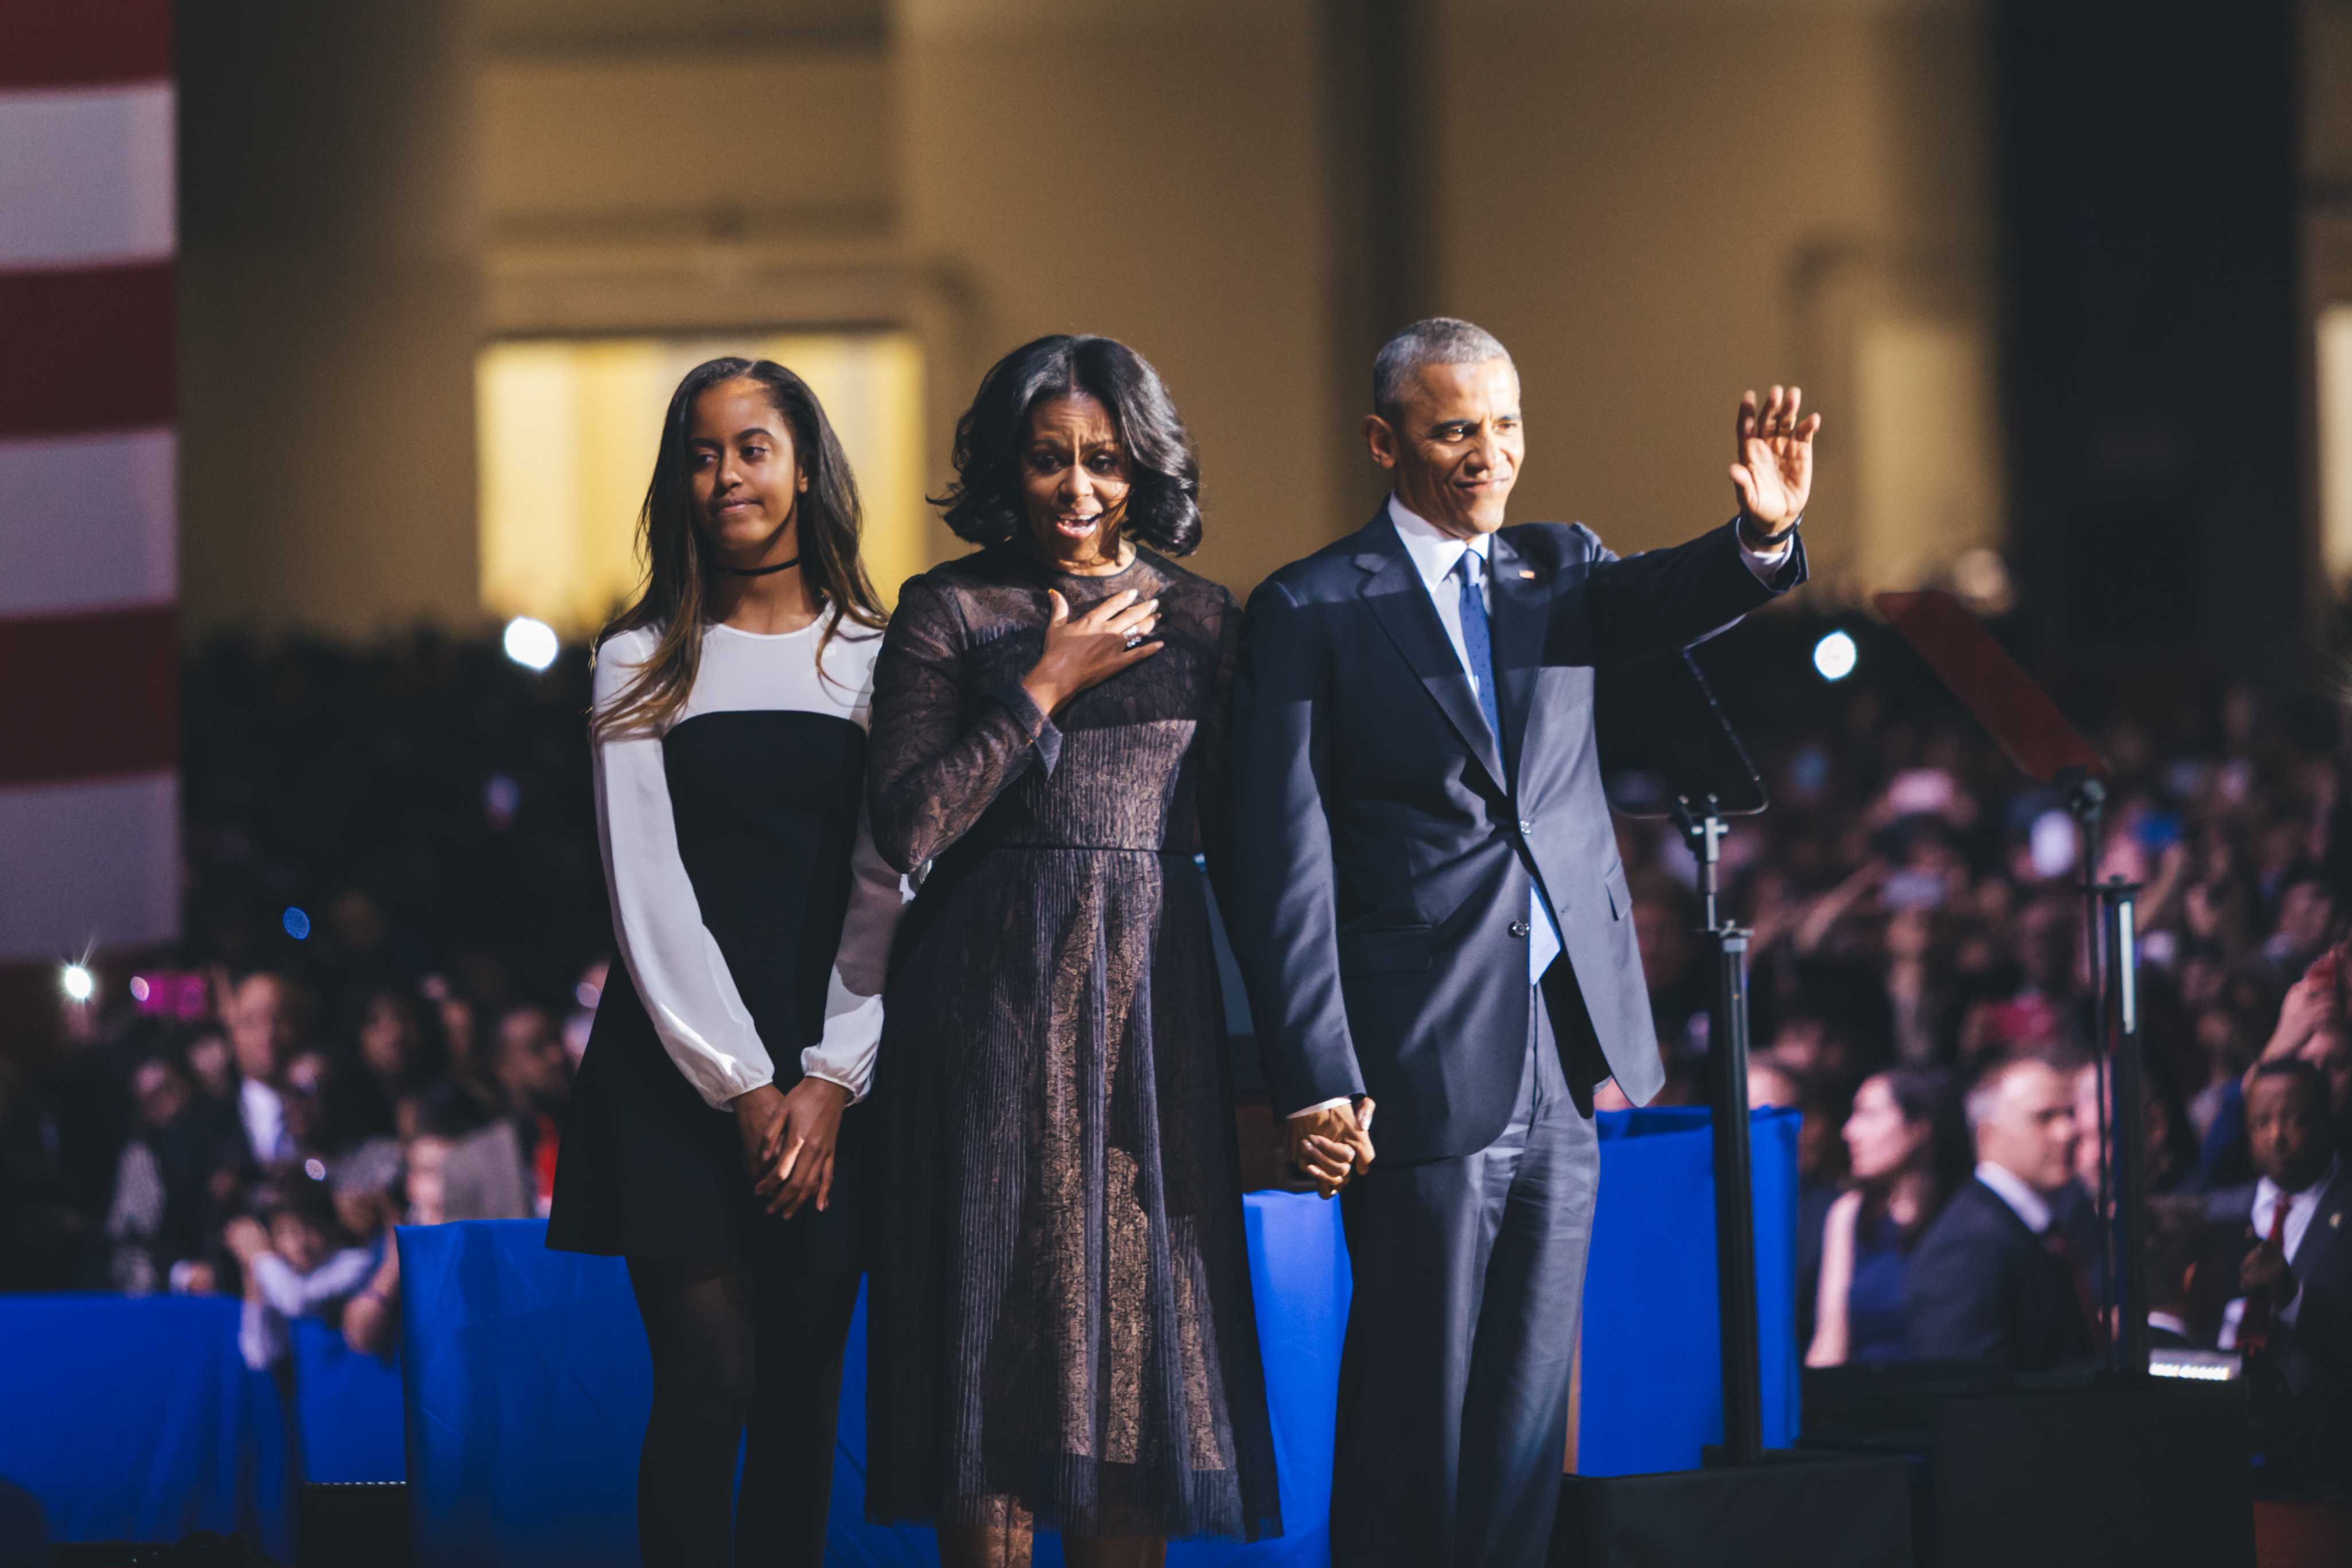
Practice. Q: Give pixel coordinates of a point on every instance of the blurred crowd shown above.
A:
(397, 930)
(1922, 993)
(395, 941)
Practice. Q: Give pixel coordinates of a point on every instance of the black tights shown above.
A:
(731, 1352)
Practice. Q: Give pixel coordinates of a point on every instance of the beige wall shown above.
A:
(328, 274)
(1147, 171)
(1658, 205)
(1653, 201)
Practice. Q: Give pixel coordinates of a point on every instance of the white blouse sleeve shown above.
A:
(679, 972)
(852, 1002)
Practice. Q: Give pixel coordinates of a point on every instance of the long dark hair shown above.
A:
(984, 504)
(680, 566)
(1927, 1097)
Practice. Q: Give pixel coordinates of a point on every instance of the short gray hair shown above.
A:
(1983, 1101)
(1439, 340)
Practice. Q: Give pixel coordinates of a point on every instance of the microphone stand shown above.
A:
(2022, 718)
(1683, 738)
(1735, 1208)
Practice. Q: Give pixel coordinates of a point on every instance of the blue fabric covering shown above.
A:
(528, 1381)
(347, 1410)
(135, 1419)
(1653, 1393)
(525, 1382)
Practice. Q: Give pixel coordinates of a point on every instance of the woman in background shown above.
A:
(1061, 1332)
(753, 920)
(1906, 1150)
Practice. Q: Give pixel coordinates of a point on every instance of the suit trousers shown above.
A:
(1469, 1288)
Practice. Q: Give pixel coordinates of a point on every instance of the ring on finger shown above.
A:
(1134, 637)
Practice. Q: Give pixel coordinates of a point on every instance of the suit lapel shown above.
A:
(2325, 1232)
(1394, 593)
(1520, 612)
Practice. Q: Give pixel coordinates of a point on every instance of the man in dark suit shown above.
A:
(1419, 832)
(2002, 1276)
(2293, 1258)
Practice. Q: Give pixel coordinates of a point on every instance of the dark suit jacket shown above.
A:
(2318, 1344)
(1383, 841)
(1981, 1287)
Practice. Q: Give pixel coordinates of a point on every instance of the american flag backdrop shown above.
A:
(88, 574)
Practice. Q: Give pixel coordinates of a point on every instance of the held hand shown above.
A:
(1773, 467)
(810, 1132)
(1333, 1145)
(2265, 1268)
(1087, 650)
(760, 1122)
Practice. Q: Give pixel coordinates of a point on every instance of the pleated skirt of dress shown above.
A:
(1061, 1315)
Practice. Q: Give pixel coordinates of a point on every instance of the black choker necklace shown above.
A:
(757, 570)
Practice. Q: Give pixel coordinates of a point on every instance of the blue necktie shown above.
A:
(1478, 647)
(1478, 654)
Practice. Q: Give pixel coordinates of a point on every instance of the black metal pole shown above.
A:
(2086, 798)
(1735, 1206)
(2128, 1227)
(1734, 1210)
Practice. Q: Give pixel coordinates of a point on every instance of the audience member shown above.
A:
(301, 1264)
(366, 1188)
(1907, 1158)
(266, 1014)
(162, 1208)
(2296, 1273)
(1997, 1278)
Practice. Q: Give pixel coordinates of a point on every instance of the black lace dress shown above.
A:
(1061, 1317)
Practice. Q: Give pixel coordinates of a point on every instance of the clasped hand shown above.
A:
(789, 1142)
(1333, 1145)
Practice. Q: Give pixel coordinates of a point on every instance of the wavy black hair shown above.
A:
(984, 504)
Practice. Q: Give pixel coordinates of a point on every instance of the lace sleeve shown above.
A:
(941, 755)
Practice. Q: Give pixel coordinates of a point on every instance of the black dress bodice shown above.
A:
(765, 804)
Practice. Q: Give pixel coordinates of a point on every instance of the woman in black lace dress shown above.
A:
(1062, 1333)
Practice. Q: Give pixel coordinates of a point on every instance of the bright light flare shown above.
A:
(1834, 656)
(531, 643)
(79, 983)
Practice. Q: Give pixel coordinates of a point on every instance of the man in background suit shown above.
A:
(2294, 1260)
(1419, 832)
(2000, 1276)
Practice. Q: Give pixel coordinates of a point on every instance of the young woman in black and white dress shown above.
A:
(705, 1138)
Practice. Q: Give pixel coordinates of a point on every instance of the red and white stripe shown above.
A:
(88, 506)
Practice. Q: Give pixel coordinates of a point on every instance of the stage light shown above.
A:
(2053, 843)
(297, 923)
(1834, 656)
(531, 643)
(79, 983)
(140, 989)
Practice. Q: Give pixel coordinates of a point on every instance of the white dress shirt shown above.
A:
(688, 991)
(2300, 1209)
(263, 1112)
(2018, 1193)
(1434, 554)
